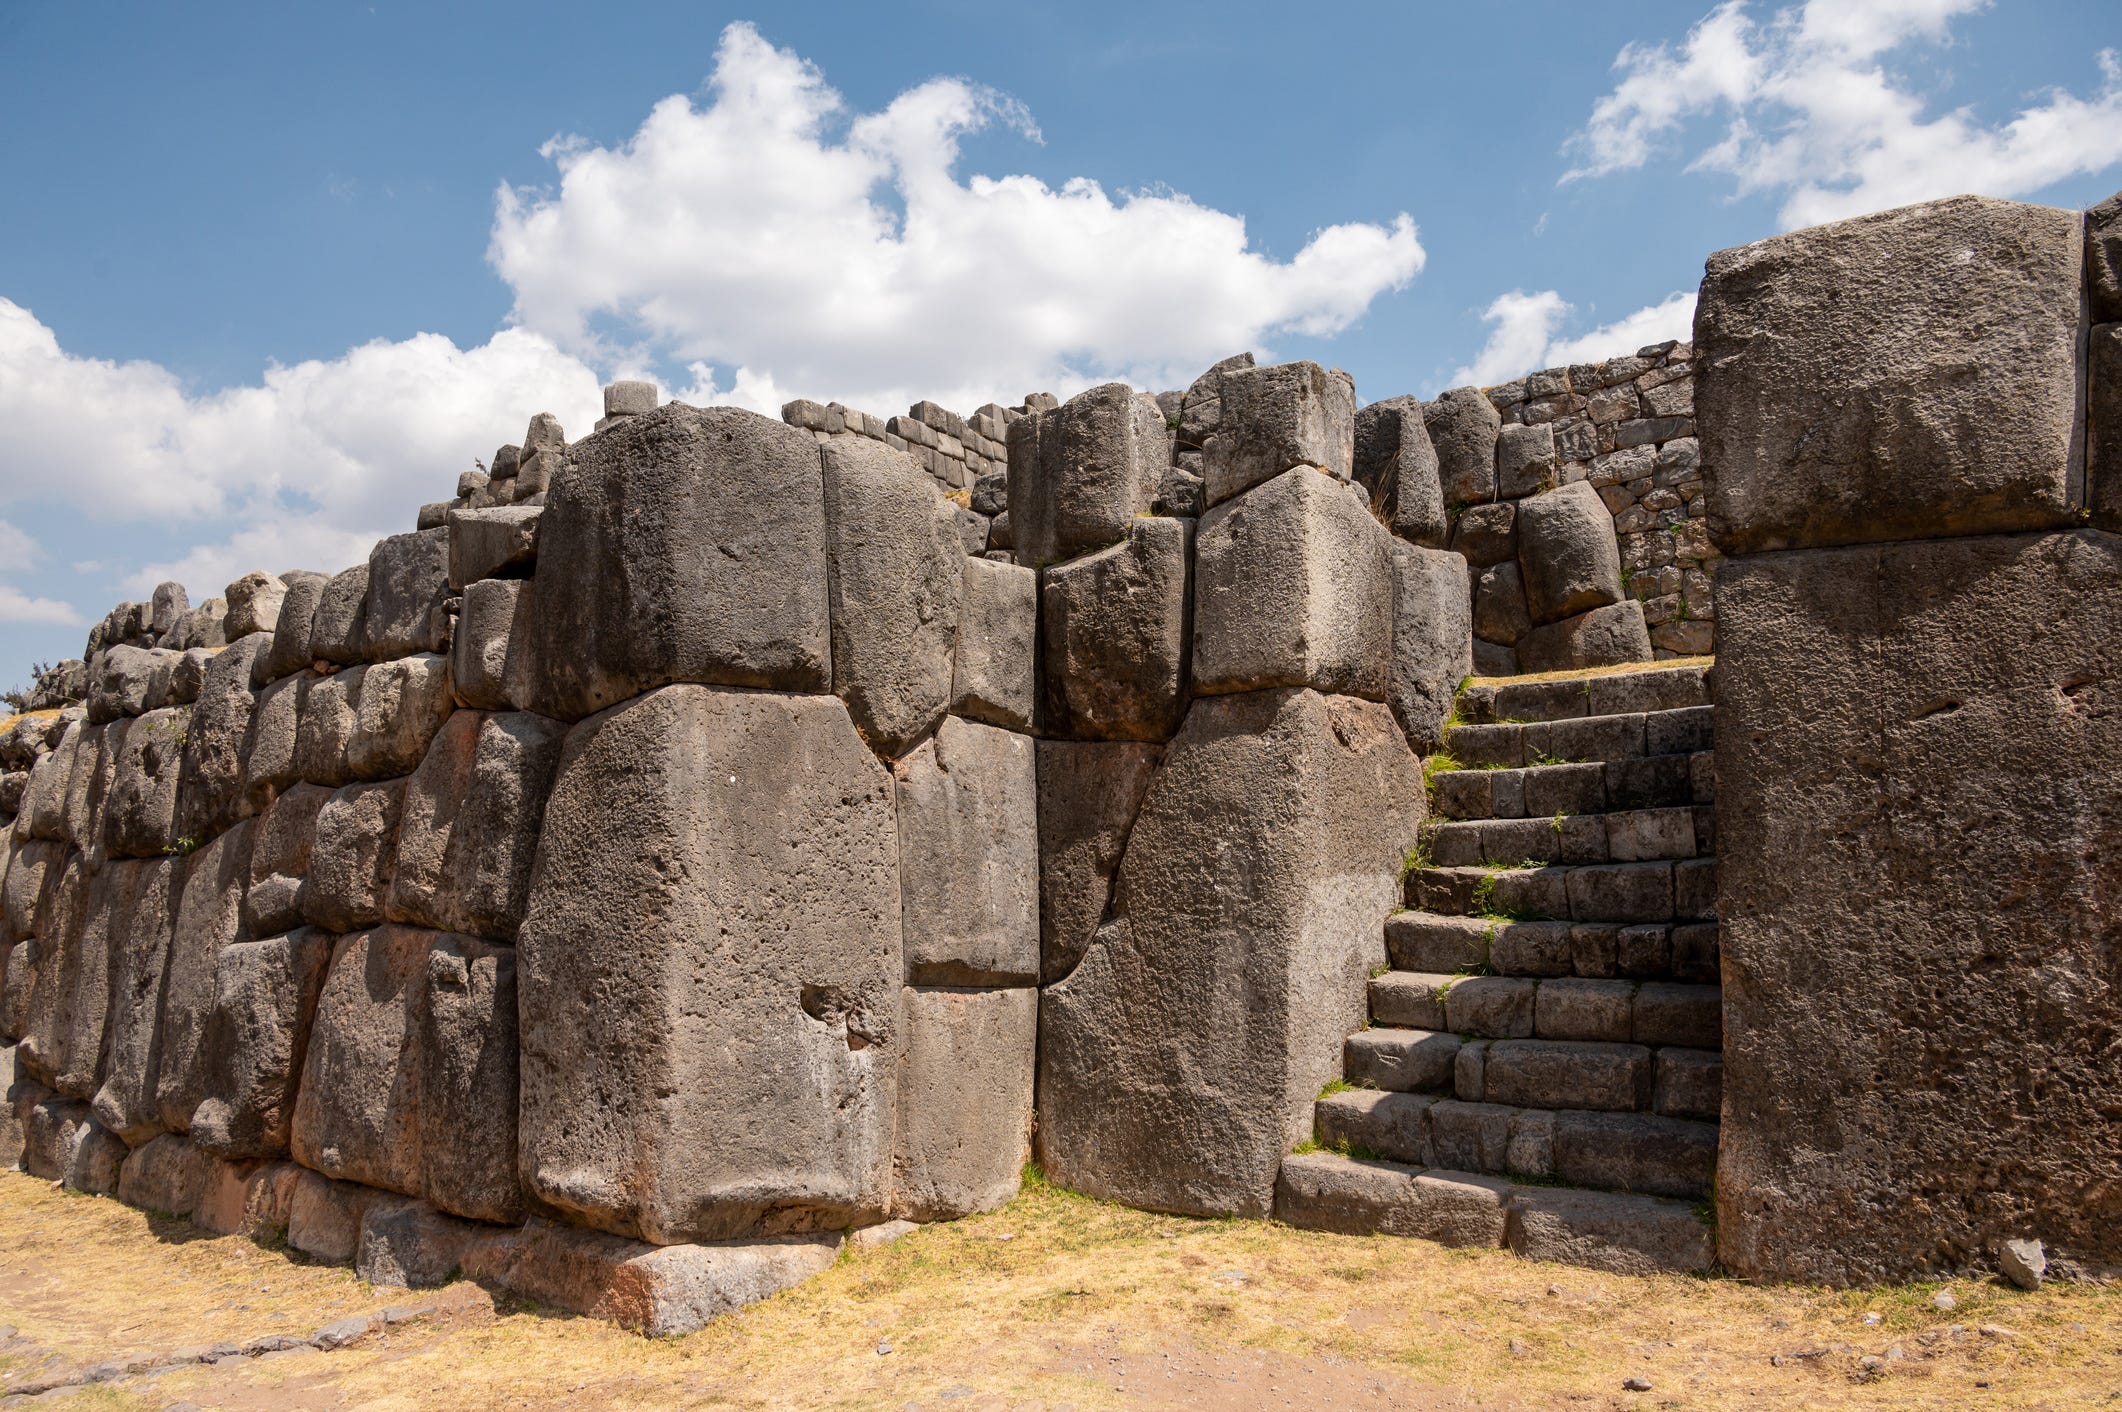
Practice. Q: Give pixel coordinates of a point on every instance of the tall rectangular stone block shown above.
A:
(1116, 636)
(1081, 472)
(969, 857)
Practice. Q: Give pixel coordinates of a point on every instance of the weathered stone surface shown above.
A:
(140, 812)
(969, 857)
(1201, 410)
(125, 1103)
(339, 628)
(210, 794)
(714, 918)
(289, 651)
(324, 1216)
(2103, 420)
(2103, 259)
(351, 856)
(1525, 460)
(1080, 473)
(269, 765)
(357, 1111)
(686, 545)
(1432, 652)
(1623, 1235)
(1273, 418)
(404, 1245)
(88, 787)
(43, 813)
(891, 548)
(248, 1199)
(467, 1080)
(658, 1291)
(1323, 1191)
(1116, 637)
(488, 543)
(408, 577)
(482, 646)
(170, 602)
(1602, 637)
(995, 672)
(469, 827)
(1463, 426)
(1567, 554)
(51, 1127)
(401, 704)
(253, 604)
(325, 732)
(209, 918)
(189, 675)
(280, 850)
(1905, 375)
(1500, 615)
(265, 998)
(1395, 462)
(92, 1166)
(1293, 587)
(1180, 1058)
(1088, 794)
(964, 1100)
(168, 1175)
(129, 681)
(1951, 756)
(71, 1008)
(33, 868)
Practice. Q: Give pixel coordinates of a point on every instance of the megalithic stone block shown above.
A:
(1602, 637)
(1906, 375)
(325, 733)
(209, 918)
(1080, 473)
(408, 577)
(2104, 425)
(1568, 557)
(1116, 639)
(1293, 587)
(71, 999)
(1463, 427)
(402, 703)
(710, 969)
(339, 627)
(969, 857)
(290, 649)
(351, 856)
(357, 1111)
(1273, 418)
(210, 792)
(253, 604)
(686, 545)
(488, 637)
(1180, 1059)
(965, 1100)
(994, 674)
(265, 999)
(125, 1103)
(1396, 463)
(2103, 260)
(468, 1089)
(140, 812)
(280, 851)
(1432, 641)
(1089, 791)
(487, 543)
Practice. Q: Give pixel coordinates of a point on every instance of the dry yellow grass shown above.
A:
(1579, 673)
(1056, 1300)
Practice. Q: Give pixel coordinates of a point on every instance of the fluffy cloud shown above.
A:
(791, 247)
(1523, 339)
(1810, 109)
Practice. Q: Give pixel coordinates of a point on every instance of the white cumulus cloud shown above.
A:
(792, 247)
(1807, 105)
(1523, 339)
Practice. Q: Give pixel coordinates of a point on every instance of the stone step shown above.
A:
(1629, 836)
(1446, 945)
(1564, 1007)
(1655, 891)
(1629, 1235)
(1626, 736)
(1580, 787)
(1572, 698)
(1595, 1075)
(1649, 1154)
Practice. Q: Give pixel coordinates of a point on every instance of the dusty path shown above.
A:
(1053, 1302)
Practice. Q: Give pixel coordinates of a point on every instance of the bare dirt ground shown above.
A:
(1053, 1302)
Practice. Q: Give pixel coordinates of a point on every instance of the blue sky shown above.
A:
(272, 275)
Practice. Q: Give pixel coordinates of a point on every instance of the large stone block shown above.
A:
(88, 787)
(402, 703)
(1080, 473)
(265, 996)
(168, 1174)
(209, 918)
(486, 543)
(1397, 464)
(1089, 791)
(2103, 421)
(1603, 637)
(1273, 418)
(995, 672)
(43, 811)
(969, 857)
(351, 856)
(2103, 259)
(339, 627)
(129, 681)
(325, 732)
(125, 1102)
(965, 1100)
(487, 660)
(1906, 375)
(1463, 426)
(357, 1111)
(1293, 587)
(33, 868)
(210, 794)
(687, 545)
(253, 604)
(72, 1007)
(1568, 557)
(1180, 1059)
(280, 849)
(469, 827)
(408, 577)
(1432, 641)
(1201, 410)
(1916, 904)
(1116, 637)
(289, 651)
(269, 764)
(710, 968)
(140, 812)
(467, 1080)
(892, 549)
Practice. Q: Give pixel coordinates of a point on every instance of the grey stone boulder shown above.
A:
(469, 827)
(339, 627)
(88, 787)
(1180, 1059)
(1395, 462)
(269, 757)
(129, 681)
(70, 1007)
(965, 1100)
(1500, 613)
(210, 794)
(1273, 418)
(2103, 260)
(325, 1217)
(1463, 427)
(51, 1128)
(125, 1102)
(894, 588)
(467, 1055)
(1431, 642)
(1115, 636)
(140, 811)
(1568, 556)
(43, 813)
(1293, 587)
(486, 669)
(485, 544)
(687, 545)
(734, 857)
(200, 627)
(324, 734)
(291, 649)
(168, 1174)
(93, 1165)
(357, 1109)
(408, 577)
(209, 919)
(1905, 375)
(1620, 1234)
(1080, 473)
(969, 857)
(280, 852)
(2023, 1262)
(402, 703)
(1323, 1191)
(629, 398)
(265, 997)
(253, 604)
(168, 605)
(1201, 410)
(1603, 637)
(351, 855)
(994, 672)
(404, 1245)
(187, 677)
(1525, 460)
(1089, 791)
(33, 871)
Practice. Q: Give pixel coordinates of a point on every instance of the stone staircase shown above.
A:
(1543, 1065)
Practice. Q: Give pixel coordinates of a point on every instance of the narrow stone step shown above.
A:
(1636, 1235)
(1656, 891)
(1400, 1061)
(1620, 737)
(1442, 944)
(1604, 694)
(1630, 836)
(1583, 787)
(1562, 1008)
